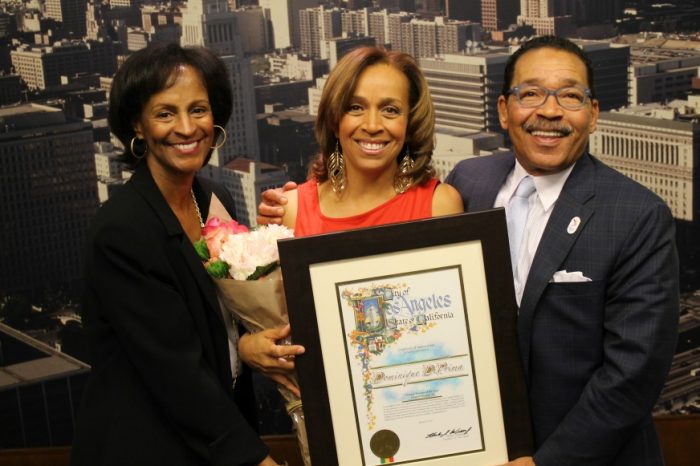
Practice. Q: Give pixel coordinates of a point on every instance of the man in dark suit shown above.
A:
(595, 269)
(594, 264)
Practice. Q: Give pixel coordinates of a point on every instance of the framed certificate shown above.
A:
(411, 352)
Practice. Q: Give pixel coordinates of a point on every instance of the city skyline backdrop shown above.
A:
(58, 161)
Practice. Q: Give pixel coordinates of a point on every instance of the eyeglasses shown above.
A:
(570, 97)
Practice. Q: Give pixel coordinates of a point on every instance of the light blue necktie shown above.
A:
(518, 208)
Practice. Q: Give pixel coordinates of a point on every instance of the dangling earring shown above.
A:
(131, 147)
(403, 179)
(336, 170)
(223, 131)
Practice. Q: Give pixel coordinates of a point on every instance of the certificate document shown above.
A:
(410, 332)
(409, 355)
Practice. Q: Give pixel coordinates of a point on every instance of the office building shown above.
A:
(498, 14)
(252, 30)
(548, 17)
(283, 18)
(661, 75)
(285, 93)
(246, 179)
(465, 90)
(317, 24)
(71, 14)
(153, 16)
(355, 22)
(48, 196)
(296, 67)
(611, 67)
(378, 26)
(111, 172)
(411, 34)
(41, 66)
(659, 146)
(287, 139)
(315, 93)
(451, 147)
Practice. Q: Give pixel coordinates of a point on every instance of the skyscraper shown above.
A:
(498, 14)
(611, 67)
(465, 90)
(283, 16)
(211, 24)
(317, 24)
(71, 14)
(42, 66)
(553, 17)
(48, 195)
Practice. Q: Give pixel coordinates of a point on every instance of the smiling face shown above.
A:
(549, 138)
(178, 126)
(372, 131)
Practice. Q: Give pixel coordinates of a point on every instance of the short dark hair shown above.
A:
(339, 90)
(149, 71)
(552, 42)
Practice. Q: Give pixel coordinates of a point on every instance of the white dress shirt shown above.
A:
(547, 190)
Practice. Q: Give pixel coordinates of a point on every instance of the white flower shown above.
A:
(244, 252)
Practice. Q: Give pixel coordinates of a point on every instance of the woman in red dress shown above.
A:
(375, 128)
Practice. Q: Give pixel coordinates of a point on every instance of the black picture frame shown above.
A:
(488, 228)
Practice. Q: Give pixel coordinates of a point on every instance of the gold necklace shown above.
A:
(196, 208)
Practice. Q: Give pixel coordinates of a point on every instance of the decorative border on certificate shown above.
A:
(411, 352)
(409, 355)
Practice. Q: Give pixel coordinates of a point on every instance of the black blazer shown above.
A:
(596, 353)
(160, 391)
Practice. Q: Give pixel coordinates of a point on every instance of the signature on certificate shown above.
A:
(450, 433)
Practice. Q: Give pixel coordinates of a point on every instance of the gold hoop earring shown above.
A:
(336, 170)
(131, 147)
(223, 131)
(403, 178)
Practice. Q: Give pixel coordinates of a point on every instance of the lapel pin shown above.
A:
(573, 225)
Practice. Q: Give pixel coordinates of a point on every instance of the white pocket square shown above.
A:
(563, 276)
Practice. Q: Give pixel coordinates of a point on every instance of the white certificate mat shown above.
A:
(409, 357)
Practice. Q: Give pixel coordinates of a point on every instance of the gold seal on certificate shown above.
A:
(384, 444)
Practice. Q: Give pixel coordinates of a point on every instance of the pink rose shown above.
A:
(215, 232)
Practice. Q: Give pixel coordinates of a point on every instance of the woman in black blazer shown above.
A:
(162, 390)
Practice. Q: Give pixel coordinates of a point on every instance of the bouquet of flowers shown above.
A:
(245, 267)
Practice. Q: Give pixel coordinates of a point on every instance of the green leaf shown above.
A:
(262, 270)
(218, 269)
(202, 249)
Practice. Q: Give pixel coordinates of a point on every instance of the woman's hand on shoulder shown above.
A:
(447, 200)
(261, 351)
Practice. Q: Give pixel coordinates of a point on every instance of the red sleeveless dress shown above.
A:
(416, 203)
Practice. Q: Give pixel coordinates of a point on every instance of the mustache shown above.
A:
(545, 125)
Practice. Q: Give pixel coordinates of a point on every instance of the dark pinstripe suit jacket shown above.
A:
(160, 389)
(596, 353)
